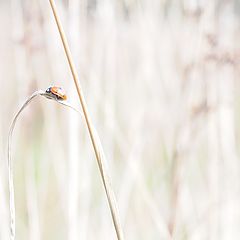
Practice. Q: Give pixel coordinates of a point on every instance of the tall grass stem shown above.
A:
(92, 132)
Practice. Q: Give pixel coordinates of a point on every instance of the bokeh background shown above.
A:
(161, 80)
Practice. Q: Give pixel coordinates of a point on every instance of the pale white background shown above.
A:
(161, 79)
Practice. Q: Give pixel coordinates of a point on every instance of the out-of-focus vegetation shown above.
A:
(161, 79)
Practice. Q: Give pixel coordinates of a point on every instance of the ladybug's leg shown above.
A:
(58, 98)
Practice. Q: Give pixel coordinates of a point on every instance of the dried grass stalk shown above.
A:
(93, 134)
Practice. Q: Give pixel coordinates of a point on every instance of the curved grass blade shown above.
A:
(10, 165)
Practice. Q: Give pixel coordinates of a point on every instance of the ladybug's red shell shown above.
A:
(58, 92)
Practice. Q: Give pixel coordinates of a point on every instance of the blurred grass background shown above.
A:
(161, 79)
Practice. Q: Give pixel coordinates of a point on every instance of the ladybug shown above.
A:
(57, 92)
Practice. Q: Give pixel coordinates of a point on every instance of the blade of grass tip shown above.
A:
(92, 132)
(10, 167)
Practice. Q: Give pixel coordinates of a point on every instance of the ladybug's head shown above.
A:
(48, 90)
